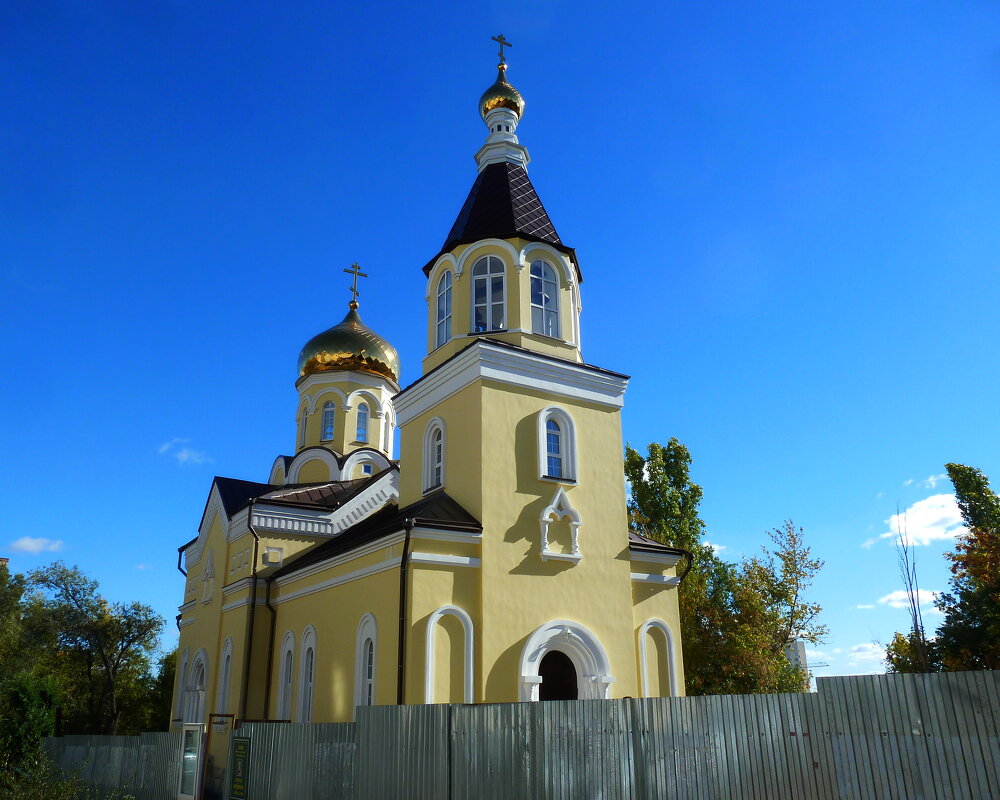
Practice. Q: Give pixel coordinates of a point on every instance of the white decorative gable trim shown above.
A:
(213, 509)
(560, 508)
(485, 360)
(584, 650)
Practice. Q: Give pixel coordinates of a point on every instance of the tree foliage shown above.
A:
(736, 619)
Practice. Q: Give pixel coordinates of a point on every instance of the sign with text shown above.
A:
(239, 768)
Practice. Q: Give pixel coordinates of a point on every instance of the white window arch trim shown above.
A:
(550, 323)
(225, 676)
(593, 672)
(362, 422)
(194, 704)
(644, 630)
(431, 481)
(307, 674)
(468, 654)
(286, 678)
(560, 508)
(182, 677)
(303, 423)
(567, 432)
(328, 422)
(367, 632)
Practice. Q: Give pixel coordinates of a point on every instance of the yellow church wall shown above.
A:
(314, 471)
(336, 636)
(463, 467)
(432, 587)
(337, 387)
(651, 602)
(520, 590)
(279, 476)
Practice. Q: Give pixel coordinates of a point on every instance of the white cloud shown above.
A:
(815, 654)
(28, 544)
(880, 494)
(909, 481)
(184, 455)
(188, 456)
(931, 481)
(901, 599)
(717, 548)
(167, 446)
(865, 653)
(933, 518)
(141, 566)
(865, 606)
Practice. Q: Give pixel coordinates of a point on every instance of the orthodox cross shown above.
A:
(355, 270)
(503, 43)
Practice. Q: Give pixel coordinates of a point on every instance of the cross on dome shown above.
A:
(355, 270)
(503, 43)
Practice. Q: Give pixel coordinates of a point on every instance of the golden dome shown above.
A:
(349, 345)
(501, 95)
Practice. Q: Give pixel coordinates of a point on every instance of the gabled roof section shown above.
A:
(437, 510)
(329, 495)
(639, 543)
(235, 494)
(503, 204)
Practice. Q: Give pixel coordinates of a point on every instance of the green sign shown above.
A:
(239, 768)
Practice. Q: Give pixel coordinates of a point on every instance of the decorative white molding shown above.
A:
(567, 440)
(245, 601)
(528, 252)
(373, 498)
(469, 652)
(390, 563)
(560, 508)
(235, 586)
(429, 456)
(365, 456)
(185, 622)
(443, 560)
(487, 361)
(658, 580)
(330, 377)
(662, 626)
(583, 649)
(313, 391)
(385, 543)
(183, 609)
(475, 250)
(303, 709)
(667, 559)
(367, 629)
(313, 453)
(214, 507)
(446, 536)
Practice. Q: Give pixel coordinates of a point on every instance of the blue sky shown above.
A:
(786, 216)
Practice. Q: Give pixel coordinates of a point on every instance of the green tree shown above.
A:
(736, 619)
(969, 634)
(11, 592)
(100, 652)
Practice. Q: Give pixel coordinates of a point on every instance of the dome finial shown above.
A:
(503, 43)
(355, 270)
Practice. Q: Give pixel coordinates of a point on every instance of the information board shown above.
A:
(239, 768)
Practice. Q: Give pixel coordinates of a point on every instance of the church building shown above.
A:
(490, 561)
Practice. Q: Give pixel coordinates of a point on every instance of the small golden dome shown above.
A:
(349, 346)
(501, 95)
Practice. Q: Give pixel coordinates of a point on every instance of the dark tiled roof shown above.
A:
(637, 541)
(503, 204)
(236, 494)
(437, 510)
(330, 494)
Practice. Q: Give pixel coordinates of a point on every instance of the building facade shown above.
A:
(492, 561)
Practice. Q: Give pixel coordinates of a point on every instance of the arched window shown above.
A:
(434, 455)
(488, 295)
(302, 426)
(327, 431)
(182, 687)
(557, 458)
(544, 299)
(553, 449)
(307, 674)
(194, 705)
(361, 435)
(365, 665)
(285, 688)
(222, 701)
(443, 309)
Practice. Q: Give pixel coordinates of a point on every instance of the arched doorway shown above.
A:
(564, 639)
(558, 677)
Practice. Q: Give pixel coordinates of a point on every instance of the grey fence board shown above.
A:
(887, 737)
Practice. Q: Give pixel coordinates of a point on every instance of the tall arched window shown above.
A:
(361, 434)
(434, 455)
(553, 449)
(444, 309)
(365, 666)
(557, 457)
(488, 295)
(222, 701)
(302, 426)
(194, 706)
(285, 688)
(327, 430)
(307, 674)
(544, 299)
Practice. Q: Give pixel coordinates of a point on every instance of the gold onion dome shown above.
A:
(349, 346)
(501, 95)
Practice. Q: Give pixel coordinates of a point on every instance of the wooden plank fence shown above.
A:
(879, 737)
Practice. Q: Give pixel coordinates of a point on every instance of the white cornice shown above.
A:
(660, 580)
(187, 606)
(364, 572)
(327, 377)
(235, 586)
(336, 561)
(668, 559)
(446, 536)
(443, 560)
(487, 361)
(185, 622)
